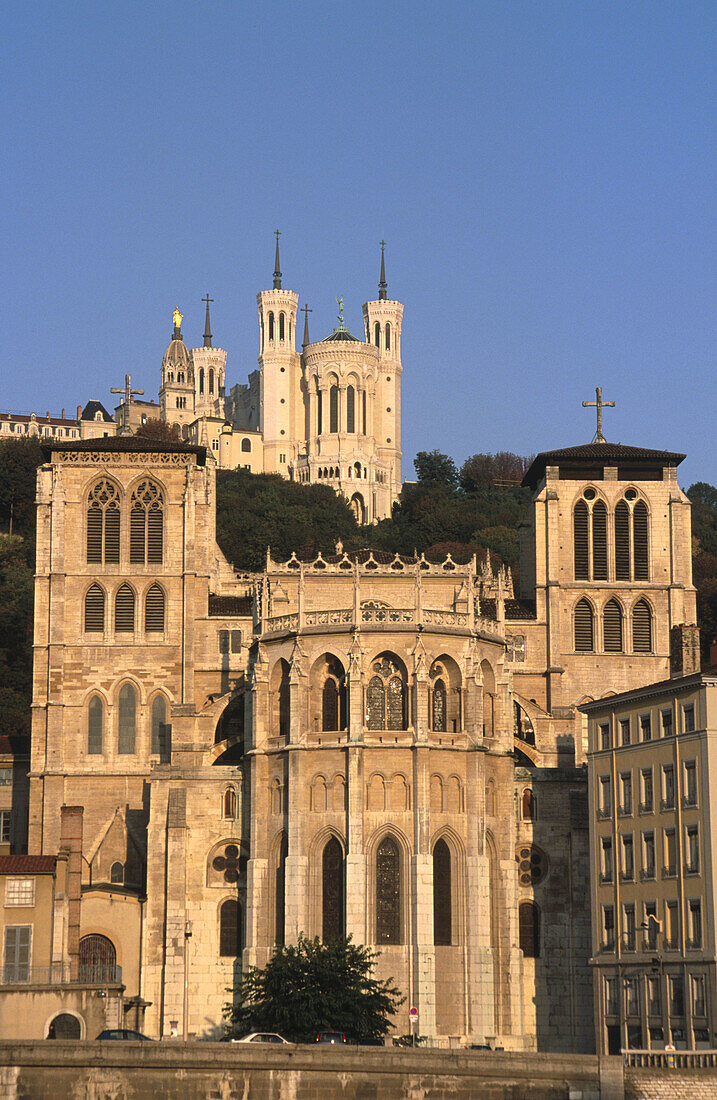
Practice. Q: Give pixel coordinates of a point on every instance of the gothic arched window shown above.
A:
(641, 627)
(580, 541)
(201, 380)
(127, 720)
(528, 805)
(599, 541)
(386, 696)
(146, 525)
(332, 879)
(388, 336)
(640, 541)
(124, 610)
(229, 804)
(98, 960)
(363, 413)
(282, 326)
(442, 918)
(529, 929)
(584, 637)
(377, 334)
(246, 445)
(334, 408)
(388, 892)
(117, 872)
(211, 380)
(622, 541)
(330, 705)
(438, 707)
(154, 610)
(103, 523)
(230, 939)
(280, 891)
(280, 699)
(350, 409)
(94, 610)
(160, 729)
(271, 326)
(95, 722)
(612, 627)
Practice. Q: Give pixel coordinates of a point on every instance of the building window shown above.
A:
(124, 610)
(127, 719)
(642, 627)
(388, 892)
(668, 787)
(646, 790)
(690, 783)
(599, 532)
(350, 409)
(160, 729)
(5, 825)
(95, 722)
(442, 915)
(98, 960)
(280, 699)
(334, 409)
(640, 541)
(699, 1002)
(528, 805)
(584, 641)
(580, 542)
(386, 696)
(628, 911)
(532, 865)
(94, 610)
(692, 850)
(103, 523)
(224, 641)
(648, 855)
(201, 381)
(608, 927)
(631, 997)
(271, 326)
(5, 777)
(20, 891)
(626, 793)
(154, 610)
(645, 727)
(16, 965)
(654, 999)
(670, 854)
(529, 929)
(672, 924)
(611, 999)
(236, 641)
(625, 731)
(332, 891)
(695, 922)
(515, 650)
(117, 873)
(229, 804)
(605, 738)
(604, 796)
(246, 446)
(438, 707)
(628, 865)
(612, 627)
(211, 380)
(677, 995)
(688, 718)
(230, 946)
(606, 859)
(622, 542)
(146, 533)
(666, 722)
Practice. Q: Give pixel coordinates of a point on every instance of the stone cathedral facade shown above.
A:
(380, 745)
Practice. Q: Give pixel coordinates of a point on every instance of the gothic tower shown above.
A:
(176, 394)
(281, 404)
(209, 367)
(382, 320)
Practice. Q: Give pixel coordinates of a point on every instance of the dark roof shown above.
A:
(92, 408)
(608, 454)
(227, 606)
(131, 444)
(520, 609)
(340, 334)
(25, 865)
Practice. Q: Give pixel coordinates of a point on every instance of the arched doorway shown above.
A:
(98, 960)
(65, 1026)
(357, 506)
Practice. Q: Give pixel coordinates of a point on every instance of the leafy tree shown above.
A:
(19, 459)
(312, 986)
(16, 603)
(159, 431)
(432, 466)
(484, 470)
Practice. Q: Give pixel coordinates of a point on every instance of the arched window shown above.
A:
(529, 929)
(146, 526)
(282, 326)
(211, 380)
(363, 413)
(280, 699)
(528, 805)
(442, 918)
(65, 1026)
(246, 445)
(358, 508)
(584, 635)
(334, 409)
(95, 722)
(612, 627)
(154, 610)
(124, 610)
(319, 412)
(330, 705)
(103, 523)
(332, 879)
(117, 872)
(229, 804)
(377, 334)
(622, 541)
(438, 707)
(388, 335)
(386, 696)
(98, 960)
(580, 541)
(271, 326)
(350, 409)
(160, 729)
(599, 541)
(94, 610)
(641, 627)
(640, 541)
(201, 380)
(230, 940)
(127, 720)
(280, 891)
(388, 892)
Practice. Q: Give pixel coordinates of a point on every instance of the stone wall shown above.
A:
(670, 1084)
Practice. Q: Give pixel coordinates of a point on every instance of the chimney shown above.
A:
(79, 411)
(684, 649)
(71, 842)
(63, 414)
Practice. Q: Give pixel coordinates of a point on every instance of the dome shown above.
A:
(340, 334)
(177, 354)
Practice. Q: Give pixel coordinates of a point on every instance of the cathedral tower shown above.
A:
(382, 321)
(281, 405)
(209, 367)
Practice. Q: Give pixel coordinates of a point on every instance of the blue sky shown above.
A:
(543, 173)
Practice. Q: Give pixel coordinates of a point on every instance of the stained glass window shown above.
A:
(376, 698)
(441, 893)
(439, 706)
(394, 704)
(388, 892)
(333, 891)
(230, 929)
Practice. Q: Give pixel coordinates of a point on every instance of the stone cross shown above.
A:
(129, 393)
(599, 404)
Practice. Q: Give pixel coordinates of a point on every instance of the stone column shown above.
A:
(356, 877)
(423, 950)
(175, 911)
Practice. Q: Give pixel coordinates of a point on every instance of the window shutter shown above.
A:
(124, 610)
(155, 533)
(612, 627)
(94, 534)
(640, 541)
(599, 541)
(641, 627)
(94, 610)
(154, 610)
(622, 542)
(580, 538)
(136, 536)
(584, 627)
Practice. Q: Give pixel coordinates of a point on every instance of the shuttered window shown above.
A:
(154, 610)
(641, 627)
(146, 534)
(136, 535)
(127, 723)
(640, 541)
(95, 717)
(584, 627)
(612, 627)
(599, 541)
(622, 542)
(94, 610)
(16, 966)
(124, 610)
(103, 523)
(580, 538)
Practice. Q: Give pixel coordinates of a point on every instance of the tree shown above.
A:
(436, 467)
(484, 470)
(312, 986)
(159, 431)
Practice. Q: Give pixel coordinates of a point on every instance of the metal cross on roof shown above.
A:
(599, 404)
(128, 392)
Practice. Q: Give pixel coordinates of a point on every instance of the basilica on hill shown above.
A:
(361, 743)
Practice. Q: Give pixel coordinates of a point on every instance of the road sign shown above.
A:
(413, 1012)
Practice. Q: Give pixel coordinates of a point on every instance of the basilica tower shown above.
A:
(176, 394)
(281, 404)
(209, 367)
(382, 321)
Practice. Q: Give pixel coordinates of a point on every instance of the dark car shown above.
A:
(124, 1034)
(331, 1037)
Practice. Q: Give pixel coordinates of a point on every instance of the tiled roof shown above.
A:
(602, 453)
(131, 444)
(519, 609)
(227, 606)
(92, 408)
(27, 865)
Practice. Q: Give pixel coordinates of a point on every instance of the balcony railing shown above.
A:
(60, 974)
(670, 1059)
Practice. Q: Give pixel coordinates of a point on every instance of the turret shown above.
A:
(209, 369)
(383, 318)
(176, 394)
(280, 370)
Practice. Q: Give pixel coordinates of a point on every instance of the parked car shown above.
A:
(124, 1034)
(262, 1037)
(331, 1037)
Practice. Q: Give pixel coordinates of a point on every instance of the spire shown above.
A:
(306, 311)
(207, 326)
(277, 266)
(382, 283)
